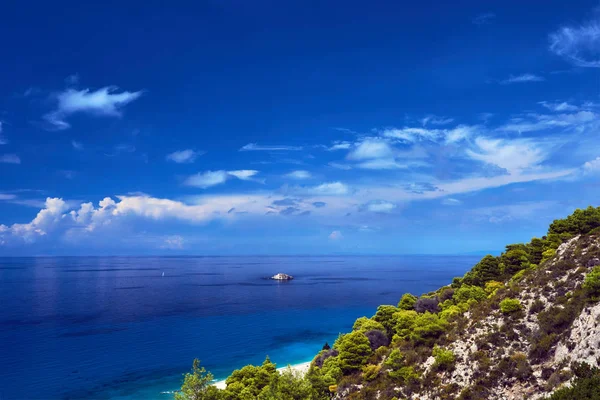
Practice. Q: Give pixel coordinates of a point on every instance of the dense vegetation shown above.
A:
(386, 354)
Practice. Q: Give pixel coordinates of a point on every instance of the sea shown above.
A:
(126, 328)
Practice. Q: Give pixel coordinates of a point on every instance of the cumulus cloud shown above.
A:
(522, 79)
(579, 44)
(10, 159)
(336, 235)
(107, 101)
(186, 156)
(298, 175)
(257, 147)
(592, 166)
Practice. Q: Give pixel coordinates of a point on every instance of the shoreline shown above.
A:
(301, 368)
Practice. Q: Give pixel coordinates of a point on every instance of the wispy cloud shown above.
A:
(186, 156)
(559, 107)
(435, 120)
(451, 202)
(107, 101)
(10, 159)
(298, 175)
(378, 206)
(207, 179)
(336, 235)
(483, 19)
(578, 44)
(77, 145)
(2, 138)
(257, 147)
(371, 148)
(513, 156)
(121, 149)
(416, 134)
(523, 78)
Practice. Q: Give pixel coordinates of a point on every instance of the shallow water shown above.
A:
(115, 328)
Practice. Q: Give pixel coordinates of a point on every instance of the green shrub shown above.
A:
(407, 302)
(370, 372)
(364, 324)
(354, 350)
(444, 359)
(592, 281)
(508, 305)
(467, 292)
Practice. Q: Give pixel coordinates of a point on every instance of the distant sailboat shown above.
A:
(163, 273)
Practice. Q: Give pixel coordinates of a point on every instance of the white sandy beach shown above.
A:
(301, 368)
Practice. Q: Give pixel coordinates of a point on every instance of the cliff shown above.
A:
(523, 325)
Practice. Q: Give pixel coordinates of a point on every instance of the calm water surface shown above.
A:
(116, 328)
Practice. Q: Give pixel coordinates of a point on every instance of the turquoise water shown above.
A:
(115, 328)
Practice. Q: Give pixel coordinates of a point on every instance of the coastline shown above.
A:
(301, 368)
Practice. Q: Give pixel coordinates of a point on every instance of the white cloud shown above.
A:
(592, 166)
(104, 102)
(184, 156)
(77, 145)
(324, 189)
(299, 175)
(512, 155)
(412, 135)
(174, 242)
(244, 174)
(340, 146)
(344, 167)
(378, 206)
(7, 196)
(206, 179)
(435, 120)
(559, 107)
(538, 122)
(522, 78)
(2, 139)
(451, 202)
(580, 45)
(381, 163)
(369, 149)
(10, 159)
(336, 235)
(257, 147)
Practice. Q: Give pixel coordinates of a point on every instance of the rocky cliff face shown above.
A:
(524, 347)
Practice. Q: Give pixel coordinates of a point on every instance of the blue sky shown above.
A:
(235, 127)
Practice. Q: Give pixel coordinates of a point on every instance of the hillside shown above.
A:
(525, 324)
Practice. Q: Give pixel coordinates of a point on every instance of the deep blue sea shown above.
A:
(116, 328)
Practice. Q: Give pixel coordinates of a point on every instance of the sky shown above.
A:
(299, 127)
